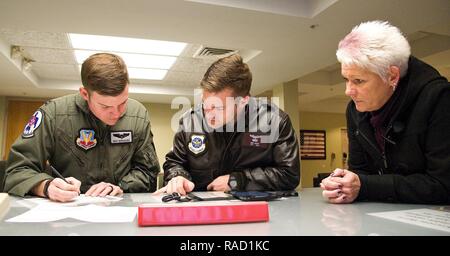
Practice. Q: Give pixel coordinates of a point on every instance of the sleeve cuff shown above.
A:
(363, 193)
(376, 188)
(175, 173)
(241, 181)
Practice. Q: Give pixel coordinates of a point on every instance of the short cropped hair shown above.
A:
(375, 46)
(104, 73)
(228, 72)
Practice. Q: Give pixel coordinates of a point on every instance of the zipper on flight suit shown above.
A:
(103, 141)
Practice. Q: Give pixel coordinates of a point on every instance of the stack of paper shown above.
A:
(89, 213)
(84, 208)
(78, 201)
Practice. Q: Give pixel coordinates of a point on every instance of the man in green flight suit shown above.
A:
(99, 139)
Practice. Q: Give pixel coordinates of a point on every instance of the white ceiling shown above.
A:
(297, 8)
(281, 46)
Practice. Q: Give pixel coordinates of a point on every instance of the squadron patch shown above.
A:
(197, 144)
(121, 137)
(32, 124)
(87, 139)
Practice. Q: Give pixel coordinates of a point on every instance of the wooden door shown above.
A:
(18, 114)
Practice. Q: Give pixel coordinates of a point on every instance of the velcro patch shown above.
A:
(34, 122)
(197, 144)
(87, 139)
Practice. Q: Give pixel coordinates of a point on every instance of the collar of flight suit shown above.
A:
(83, 105)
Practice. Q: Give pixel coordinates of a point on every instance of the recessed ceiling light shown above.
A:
(133, 60)
(145, 59)
(144, 73)
(124, 44)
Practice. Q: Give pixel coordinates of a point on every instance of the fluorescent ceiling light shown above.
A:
(124, 44)
(134, 60)
(145, 59)
(144, 73)
(148, 74)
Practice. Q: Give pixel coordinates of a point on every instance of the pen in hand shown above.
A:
(58, 174)
(74, 184)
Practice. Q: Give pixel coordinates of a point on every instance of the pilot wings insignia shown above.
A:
(120, 137)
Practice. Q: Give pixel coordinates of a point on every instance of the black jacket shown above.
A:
(202, 155)
(415, 167)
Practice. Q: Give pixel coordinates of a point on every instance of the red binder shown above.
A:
(202, 213)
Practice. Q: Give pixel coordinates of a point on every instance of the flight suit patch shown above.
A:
(34, 122)
(87, 139)
(121, 137)
(253, 140)
(197, 144)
